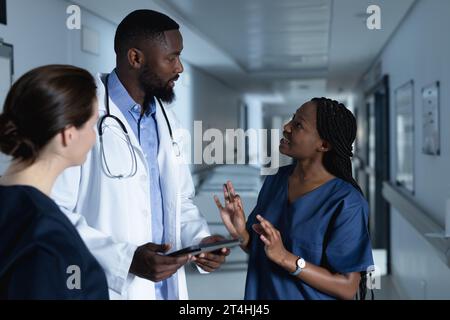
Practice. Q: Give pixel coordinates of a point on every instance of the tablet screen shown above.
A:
(206, 247)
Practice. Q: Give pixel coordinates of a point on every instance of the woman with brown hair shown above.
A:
(47, 125)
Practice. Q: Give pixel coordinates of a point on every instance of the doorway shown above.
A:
(373, 161)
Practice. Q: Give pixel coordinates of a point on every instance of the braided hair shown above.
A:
(337, 125)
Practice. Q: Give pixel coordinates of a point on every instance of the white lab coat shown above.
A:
(114, 216)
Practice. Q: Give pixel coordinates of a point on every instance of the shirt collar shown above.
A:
(121, 98)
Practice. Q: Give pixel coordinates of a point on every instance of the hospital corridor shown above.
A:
(314, 132)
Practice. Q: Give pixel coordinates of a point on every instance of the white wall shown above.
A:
(417, 270)
(420, 50)
(38, 32)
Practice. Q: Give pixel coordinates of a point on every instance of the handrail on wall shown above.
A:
(419, 219)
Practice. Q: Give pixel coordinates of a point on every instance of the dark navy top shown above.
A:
(335, 206)
(41, 254)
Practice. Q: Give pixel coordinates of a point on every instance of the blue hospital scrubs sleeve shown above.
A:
(349, 247)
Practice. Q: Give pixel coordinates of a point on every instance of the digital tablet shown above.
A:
(206, 247)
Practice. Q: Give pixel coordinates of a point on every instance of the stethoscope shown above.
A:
(133, 169)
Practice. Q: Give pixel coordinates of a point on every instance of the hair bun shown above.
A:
(11, 142)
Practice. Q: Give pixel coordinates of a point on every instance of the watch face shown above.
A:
(301, 263)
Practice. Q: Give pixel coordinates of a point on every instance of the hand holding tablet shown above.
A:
(206, 247)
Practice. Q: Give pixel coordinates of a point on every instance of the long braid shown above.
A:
(337, 125)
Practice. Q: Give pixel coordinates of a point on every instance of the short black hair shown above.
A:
(140, 25)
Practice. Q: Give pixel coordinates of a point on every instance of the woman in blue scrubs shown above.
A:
(307, 237)
(48, 125)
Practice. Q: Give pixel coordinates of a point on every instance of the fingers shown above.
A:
(266, 229)
(157, 247)
(229, 195)
(268, 232)
(265, 240)
(232, 193)
(161, 267)
(231, 188)
(225, 216)
(263, 235)
(167, 261)
(218, 255)
(239, 203)
(258, 229)
(181, 260)
(267, 226)
(218, 204)
(228, 224)
(235, 198)
(205, 267)
(153, 252)
(163, 272)
(213, 238)
(210, 262)
(163, 264)
(262, 220)
(149, 262)
(164, 247)
(220, 252)
(170, 262)
(211, 257)
(226, 194)
(163, 276)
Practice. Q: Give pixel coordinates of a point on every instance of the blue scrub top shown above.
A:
(336, 205)
(41, 253)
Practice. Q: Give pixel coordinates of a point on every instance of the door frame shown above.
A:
(381, 97)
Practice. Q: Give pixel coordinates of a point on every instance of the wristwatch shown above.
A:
(300, 265)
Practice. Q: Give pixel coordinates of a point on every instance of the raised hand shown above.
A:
(232, 213)
(271, 237)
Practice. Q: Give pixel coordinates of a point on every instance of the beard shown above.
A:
(154, 86)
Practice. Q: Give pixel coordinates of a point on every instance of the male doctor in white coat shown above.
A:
(132, 199)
